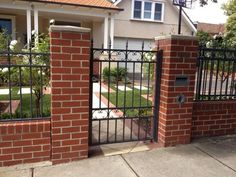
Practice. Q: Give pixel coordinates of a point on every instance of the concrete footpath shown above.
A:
(212, 157)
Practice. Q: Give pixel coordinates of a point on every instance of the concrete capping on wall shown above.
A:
(175, 37)
(69, 29)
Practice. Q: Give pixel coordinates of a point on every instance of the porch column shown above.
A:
(28, 18)
(112, 31)
(36, 25)
(105, 42)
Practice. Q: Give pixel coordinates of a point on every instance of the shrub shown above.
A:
(114, 74)
(3, 40)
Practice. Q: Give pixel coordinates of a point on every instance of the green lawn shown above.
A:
(132, 100)
(26, 111)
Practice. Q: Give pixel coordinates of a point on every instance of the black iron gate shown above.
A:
(122, 91)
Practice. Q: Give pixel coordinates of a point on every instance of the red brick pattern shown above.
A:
(70, 95)
(214, 118)
(24, 142)
(179, 58)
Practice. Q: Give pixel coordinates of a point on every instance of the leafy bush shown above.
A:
(40, 75)
(114, 74)
(3, 40)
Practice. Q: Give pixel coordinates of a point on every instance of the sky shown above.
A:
(211, 13)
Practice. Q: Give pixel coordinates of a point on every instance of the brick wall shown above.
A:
(70, 54)
(214, 118)
(24, 142)
(179, 59)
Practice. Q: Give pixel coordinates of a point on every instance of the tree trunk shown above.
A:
(37, 104)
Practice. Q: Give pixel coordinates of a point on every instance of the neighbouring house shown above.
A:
(119, 21)
(142, 20)
(212, 29)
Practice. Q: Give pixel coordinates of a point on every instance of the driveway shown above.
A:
(212, 157)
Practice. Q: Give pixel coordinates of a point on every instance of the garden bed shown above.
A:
(24, 106)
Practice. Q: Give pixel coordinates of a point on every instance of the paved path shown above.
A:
(215, 157)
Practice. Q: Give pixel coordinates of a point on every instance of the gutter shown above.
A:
(77, 5)
(185, 13)
(187, 19)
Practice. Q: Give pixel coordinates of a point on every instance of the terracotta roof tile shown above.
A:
(92, 3)
(211, 28)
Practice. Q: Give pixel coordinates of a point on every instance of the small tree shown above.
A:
(203, 37)
(4, 38)
(149, 67)
(38, 75)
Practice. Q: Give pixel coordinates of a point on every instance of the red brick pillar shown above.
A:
(70, 48)
(178, 78)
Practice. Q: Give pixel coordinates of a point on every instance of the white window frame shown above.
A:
(13, 21)
(152, 13)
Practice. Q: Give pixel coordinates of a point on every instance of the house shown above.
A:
(212, 29)
(142, 20)
(117, 21)
(21, 17)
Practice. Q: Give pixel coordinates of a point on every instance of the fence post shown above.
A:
(70, 48)
(177, 84)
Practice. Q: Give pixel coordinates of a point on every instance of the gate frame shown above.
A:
(156, 91)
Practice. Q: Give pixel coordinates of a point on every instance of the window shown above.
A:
(137, 9)
(158, 12)
(148, 10)
(7, 23)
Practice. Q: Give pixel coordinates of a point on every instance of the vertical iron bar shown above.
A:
(205, 78)
(100, 83)
(146, 122)
(216, 80)
(109, 86)
(131, 128)
(41, 91)
(124, 108)
(140, 91)
(149, 75)
(227, 81)
(99, 131)
(117, 84)
(211, 74)
(133, 84)
(202, 81)
(91, 95)
(115, 130)
(199, 74)
(20, 84)
(133, 89)
(31, 83)
(222, 75)
(9, 77)
(233, 76)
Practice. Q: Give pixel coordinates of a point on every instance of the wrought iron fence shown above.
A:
(24, 85)
(216, 77)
